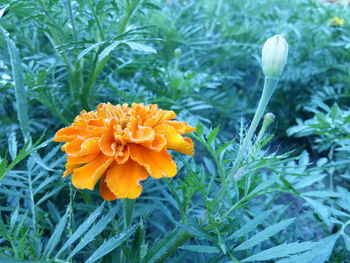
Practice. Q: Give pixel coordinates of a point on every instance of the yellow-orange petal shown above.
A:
(105, 192)
(70, 168)
(107, 144)
(181, 127)
(123, 179)
(81, 159)
(80, 147)
(175, 141)
(158, 164)
(87, 176)
(159, 142)
(68, 134)
(123, 155)
(141, 134)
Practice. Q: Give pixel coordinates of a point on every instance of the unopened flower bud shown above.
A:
(269, 117)
(274, 56)
(177, 52)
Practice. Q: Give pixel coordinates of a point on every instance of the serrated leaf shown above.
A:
(163, 246)
(265, 234)
(20, 91)
(12, 145)
(320, 253)
(195, 231)
(56, 236)
(320, 209)
(111, 244)
(346, 239)
(281, 251)
(199, 129)
(140, 47)
(322, 194)
(89, 49)
(201, 249)
(249, 226)
(107, 50)
(213, 134)
(81, 229)
(94, 231)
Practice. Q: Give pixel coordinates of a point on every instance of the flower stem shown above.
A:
(128, 209)
(269, 87)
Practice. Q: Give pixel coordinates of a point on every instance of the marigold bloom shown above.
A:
(123, 146)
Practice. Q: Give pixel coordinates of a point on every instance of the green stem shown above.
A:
(269, 87)
(128, 211)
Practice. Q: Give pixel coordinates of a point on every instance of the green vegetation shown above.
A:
(284, 199)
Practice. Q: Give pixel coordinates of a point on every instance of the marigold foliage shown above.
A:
(122, 145)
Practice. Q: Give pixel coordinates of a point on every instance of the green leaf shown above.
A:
(20, 91)
(281, 251)
(346, 239)
(107, 50)
(320, 209)
(111, 244)
(12, 145)
(161, 249)
(320, 253)
(201, 249)
(4, 259)
(140, 47)
(56, 236)
(322, 194)
(81, 229)
(89, 49)
(199, 129)
(94, 231)
(195, 231)
(265, 234)
(213, 135)
(246, 228)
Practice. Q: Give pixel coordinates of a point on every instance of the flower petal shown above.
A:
(68, 134)
(141, 134)
(87, 176)
(158, 164)
(175, 141)
(123, 155)
(80, 147)
(158, 143)
(105, 192)
(123, 179)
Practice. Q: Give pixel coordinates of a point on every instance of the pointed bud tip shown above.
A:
(274, 56)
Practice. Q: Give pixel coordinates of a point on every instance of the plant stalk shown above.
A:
(269, 87)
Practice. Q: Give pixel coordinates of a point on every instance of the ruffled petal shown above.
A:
(123, 179)
(122, 156)
(158, 164)
(105, 192)
(81, 159)
(80, 147)
(87, 176)
(181, 127)
(158, 143)
(68, 134)
(142, 134)
(175, 141)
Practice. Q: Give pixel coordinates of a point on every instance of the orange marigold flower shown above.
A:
(123, 146)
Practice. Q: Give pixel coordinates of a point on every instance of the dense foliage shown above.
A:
(287, 202)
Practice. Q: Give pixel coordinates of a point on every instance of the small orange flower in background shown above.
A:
(123, 146)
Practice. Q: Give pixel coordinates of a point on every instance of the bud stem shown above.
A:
(269, 87)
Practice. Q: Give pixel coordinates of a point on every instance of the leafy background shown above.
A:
(288, 203)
